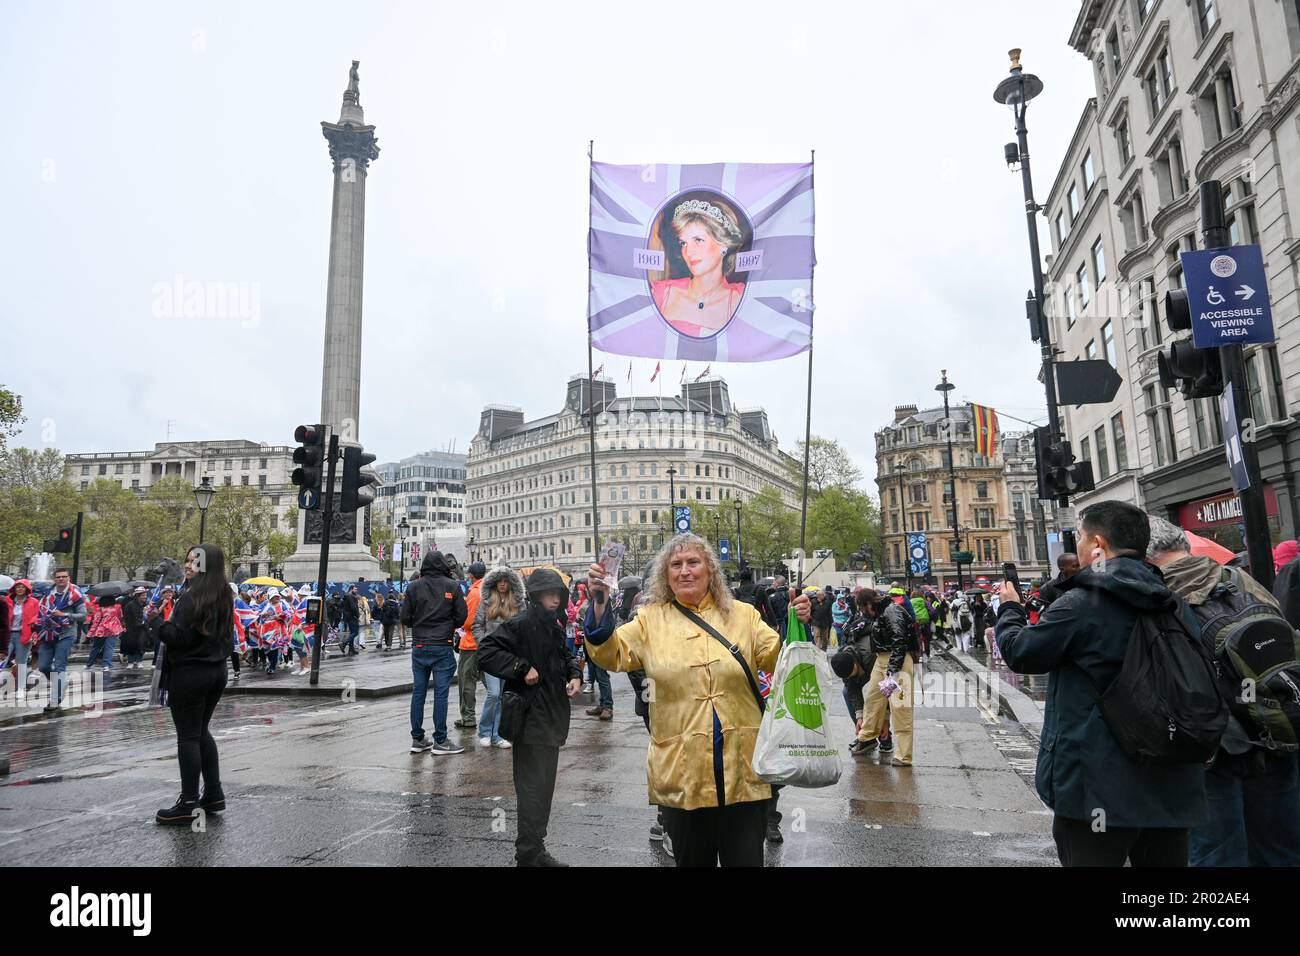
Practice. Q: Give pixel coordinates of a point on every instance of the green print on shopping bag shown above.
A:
(801, 698)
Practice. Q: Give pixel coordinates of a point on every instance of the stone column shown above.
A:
(352, 148)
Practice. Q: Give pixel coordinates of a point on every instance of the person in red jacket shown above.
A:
(19, 617)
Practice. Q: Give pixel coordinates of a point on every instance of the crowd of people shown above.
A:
(537, 642)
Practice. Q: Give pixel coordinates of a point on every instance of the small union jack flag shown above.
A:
(379, 551)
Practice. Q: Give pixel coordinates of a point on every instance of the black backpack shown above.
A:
(1257, 653)
(1165, 706)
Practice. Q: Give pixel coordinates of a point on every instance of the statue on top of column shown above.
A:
(354, 81)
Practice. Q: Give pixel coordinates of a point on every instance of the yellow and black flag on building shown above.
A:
(986, 430)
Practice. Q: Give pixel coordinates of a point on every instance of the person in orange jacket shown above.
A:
(467, 669)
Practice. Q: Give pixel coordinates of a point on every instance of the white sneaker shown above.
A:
(503, 744)
(586, 688)
(485, 741)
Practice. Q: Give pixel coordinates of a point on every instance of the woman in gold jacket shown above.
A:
(703, 714)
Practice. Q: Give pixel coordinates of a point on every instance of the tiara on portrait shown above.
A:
(699, 205)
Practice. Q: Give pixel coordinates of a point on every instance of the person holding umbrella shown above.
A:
(133, 635)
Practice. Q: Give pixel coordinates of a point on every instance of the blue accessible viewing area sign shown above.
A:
(1227, 295)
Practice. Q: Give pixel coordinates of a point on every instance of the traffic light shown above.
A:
(63, 543)
(310, 459)
(1059, 475)
(356, 491)
(1197, 373)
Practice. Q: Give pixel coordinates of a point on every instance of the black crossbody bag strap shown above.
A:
(735, 652)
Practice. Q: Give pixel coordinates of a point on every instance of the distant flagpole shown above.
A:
(807, 432)
(591, 375)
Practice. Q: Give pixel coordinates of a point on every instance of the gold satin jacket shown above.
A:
(691, 676)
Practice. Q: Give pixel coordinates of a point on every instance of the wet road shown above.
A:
(324, 781)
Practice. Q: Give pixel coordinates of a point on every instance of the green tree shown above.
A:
(239, 522)
(174, 496)
(280, 545)
(107, 528)
(829, 466)
(11, 416)
(35, 501)
(769, 529)
(843, 520)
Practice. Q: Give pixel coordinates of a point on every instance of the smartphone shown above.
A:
(1009, 572)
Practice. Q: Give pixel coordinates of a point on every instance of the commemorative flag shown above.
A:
(708, 262)
(986, 430)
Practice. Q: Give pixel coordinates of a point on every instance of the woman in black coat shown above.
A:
(528, 652)
(197, 638)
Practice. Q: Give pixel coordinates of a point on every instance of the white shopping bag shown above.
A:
(794, 746)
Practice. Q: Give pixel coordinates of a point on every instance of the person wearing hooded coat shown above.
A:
(494, 609)
(433, 609)
(528, 652)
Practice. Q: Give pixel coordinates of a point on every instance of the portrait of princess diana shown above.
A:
(707, 234)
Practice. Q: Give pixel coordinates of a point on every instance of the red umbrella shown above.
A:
(1209, 549)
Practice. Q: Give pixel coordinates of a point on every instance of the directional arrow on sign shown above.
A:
(1245, 292)
(1089, 382)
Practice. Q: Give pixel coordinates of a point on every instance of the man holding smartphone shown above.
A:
(1108, 808)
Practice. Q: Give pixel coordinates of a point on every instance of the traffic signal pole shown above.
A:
(76, 548)
(1254, 511)
(333, 456)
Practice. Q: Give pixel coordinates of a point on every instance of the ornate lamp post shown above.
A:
(203, 496)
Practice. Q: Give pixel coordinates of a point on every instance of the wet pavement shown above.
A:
(312, 780)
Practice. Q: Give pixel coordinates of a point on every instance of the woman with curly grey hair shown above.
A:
(708, 236)
(700, 651)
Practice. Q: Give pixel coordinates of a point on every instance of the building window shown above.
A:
(1206, 16)
(1088, 176)
(1071, 312)
(1090, 350)
(1149, 334)
(1099, 262)
(243, 479)
(230, 463)
(1114, 54)
(1072, 201)
(981, 489)
(1085, 449)
(1108, 344)
(1103, 457)
(135, 468)
(1085, 293)
(1159, 83)
(1124, 141)
(119, 469)
(1062, 230)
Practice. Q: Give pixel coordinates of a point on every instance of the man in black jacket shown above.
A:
(528, 652)
(1068, 566)
(351, 621)
(778, 602)
(1108, 808)
(433, 609)
(893, 648)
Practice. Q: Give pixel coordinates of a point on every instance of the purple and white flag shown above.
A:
(709, 262)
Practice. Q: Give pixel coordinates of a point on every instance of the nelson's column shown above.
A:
(352, 147)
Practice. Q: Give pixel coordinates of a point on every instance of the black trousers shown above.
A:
(535, 768)
(1078, 845)
(709, 836)
(193, 691)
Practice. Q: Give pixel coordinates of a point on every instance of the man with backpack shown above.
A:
(1253, 784)
(1113, 803)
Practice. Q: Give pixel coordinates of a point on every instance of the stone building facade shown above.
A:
(528, 487)
(1186, 91)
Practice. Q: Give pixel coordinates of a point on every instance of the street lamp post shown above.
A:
(203, 495)
(946, 386)
(740, 555)
(402, 526)
(1015, 91)
(672, 495)
(717, 528)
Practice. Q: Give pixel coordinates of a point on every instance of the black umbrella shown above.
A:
(148, 585)
(108, 590)
(631, 581)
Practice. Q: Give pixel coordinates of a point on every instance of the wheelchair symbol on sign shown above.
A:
(1214, 298)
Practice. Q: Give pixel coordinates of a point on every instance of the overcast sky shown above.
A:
(146, 141)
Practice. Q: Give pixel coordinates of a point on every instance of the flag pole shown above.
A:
(807, 433)
(591, 376)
